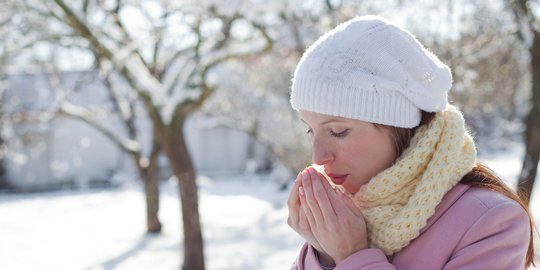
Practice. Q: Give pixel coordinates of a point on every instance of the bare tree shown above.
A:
(530, 35)
(3, 173)
(3, 87)
(479, 54)
(167, 55)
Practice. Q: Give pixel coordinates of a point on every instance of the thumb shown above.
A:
(346, 199)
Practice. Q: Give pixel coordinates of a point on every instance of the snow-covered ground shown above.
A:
(244, 223)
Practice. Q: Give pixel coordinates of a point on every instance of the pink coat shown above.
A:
(472, 228)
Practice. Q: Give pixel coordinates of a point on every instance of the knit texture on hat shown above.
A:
(397, 202)
(371, 70)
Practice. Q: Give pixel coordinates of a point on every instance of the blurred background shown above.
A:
(154, 134)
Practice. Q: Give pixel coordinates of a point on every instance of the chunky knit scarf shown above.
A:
(397, 202)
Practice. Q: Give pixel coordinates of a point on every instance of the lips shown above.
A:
(338, 179)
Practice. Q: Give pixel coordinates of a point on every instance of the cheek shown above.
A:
(371, 155)
(386, 150)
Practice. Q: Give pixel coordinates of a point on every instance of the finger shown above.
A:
(333, 192)
(303, 222)
(293, 203)
(321, 193)
(307, 231)
(311, 200)
(293, 196)
(344, 204)
(326, 184)
(336, 198)
(350, 204)
(304, 206)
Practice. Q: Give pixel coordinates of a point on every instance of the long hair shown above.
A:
(479, 176)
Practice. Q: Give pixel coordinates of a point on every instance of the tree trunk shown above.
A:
(532, 133)
(3, 176)
(151, 189)
(150, 181)
(3, 172)
(182, 165)
(149, 174)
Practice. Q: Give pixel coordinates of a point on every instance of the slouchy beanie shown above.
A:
(371, 70)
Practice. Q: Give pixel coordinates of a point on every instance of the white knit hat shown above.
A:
(371, 70)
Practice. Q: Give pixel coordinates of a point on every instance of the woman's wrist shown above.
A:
(325, 261)
(338, 259)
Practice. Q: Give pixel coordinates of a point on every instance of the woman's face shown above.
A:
(351, 151)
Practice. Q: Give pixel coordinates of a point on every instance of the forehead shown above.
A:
(320, 119)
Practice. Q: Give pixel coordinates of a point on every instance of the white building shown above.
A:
(48, 150)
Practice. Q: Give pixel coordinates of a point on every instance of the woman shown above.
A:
(395, 183)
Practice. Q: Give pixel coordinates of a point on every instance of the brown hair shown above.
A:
(479, 176)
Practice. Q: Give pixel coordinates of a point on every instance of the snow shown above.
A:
(243, 221)
(244, 224)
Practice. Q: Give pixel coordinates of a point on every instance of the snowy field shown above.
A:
(244, 223)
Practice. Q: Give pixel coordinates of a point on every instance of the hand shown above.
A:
(336, 223)
(297, 219)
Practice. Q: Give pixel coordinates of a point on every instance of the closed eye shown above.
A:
(340, 134)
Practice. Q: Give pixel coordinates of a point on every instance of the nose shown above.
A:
(321, 152)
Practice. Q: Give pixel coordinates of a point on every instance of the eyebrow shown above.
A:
(326, 122)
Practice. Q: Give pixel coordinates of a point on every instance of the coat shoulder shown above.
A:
(487, 198)
(478, 203)
(470, 203)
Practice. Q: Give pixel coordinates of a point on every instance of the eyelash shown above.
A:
(334, 134)
(340, 134)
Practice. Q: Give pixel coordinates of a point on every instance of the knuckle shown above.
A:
(311, 200)
(290, 202)
(349, 220)
(290, 222)
(318, 189)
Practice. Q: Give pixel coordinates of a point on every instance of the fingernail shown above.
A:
(301, 191)
(305, 176)
(313, 173)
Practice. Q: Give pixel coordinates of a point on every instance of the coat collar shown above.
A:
(448, 200)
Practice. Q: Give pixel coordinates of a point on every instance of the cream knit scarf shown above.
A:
(397, 202)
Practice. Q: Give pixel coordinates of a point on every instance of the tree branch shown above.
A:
(227, 22)
(243, 54)
(128, 145)
(127, 38)
(85, 6)
(65, 107)
(524, 19)
(130, 66)
(122, 106)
